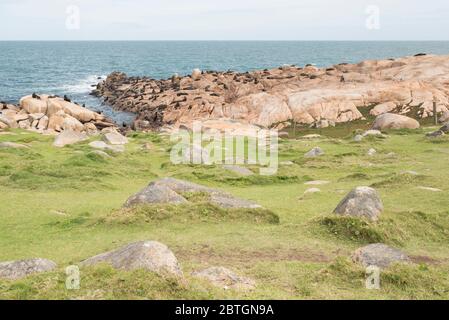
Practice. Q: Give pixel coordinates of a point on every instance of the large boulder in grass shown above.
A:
(155, 194)
(13, 270)
(379, 255)
(394, 121)
(170, 190)
(69, 137)
(181, 186)
(361, 202)
(148, 255)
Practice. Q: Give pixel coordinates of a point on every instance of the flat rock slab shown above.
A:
(239, 170)
(13, 270)
(12, 145)
(148, 255)
(361, 202)
(225, 278)
(101, 145)
(379, 255)
(115, 138)
(69, 137)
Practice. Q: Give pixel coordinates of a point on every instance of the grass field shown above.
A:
(64, 205)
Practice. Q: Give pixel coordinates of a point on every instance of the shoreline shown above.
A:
(287, 95)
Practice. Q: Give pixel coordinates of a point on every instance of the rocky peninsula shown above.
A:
(276, 98)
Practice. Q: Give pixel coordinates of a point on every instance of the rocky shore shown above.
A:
(306, 95)
(51, 115)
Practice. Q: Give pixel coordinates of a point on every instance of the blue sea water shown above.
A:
(72, 68)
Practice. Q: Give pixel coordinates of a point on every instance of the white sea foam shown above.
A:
(83, 85)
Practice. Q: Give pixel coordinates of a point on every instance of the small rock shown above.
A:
(99, 145)
(196, 74)
(155, 194)
(312, 190)
(115, 138)
(361, 202)
(225, 278)
(445, 128)
(410, 172)
(315, 152)
(430, 189)
(317, 183)
(69, 137)
(13, 270)
(91, 129)
(12, 145)
(358, 138)
(149, 255)
(371, 152)
(372, 133)
(379, 255)
(438, 133)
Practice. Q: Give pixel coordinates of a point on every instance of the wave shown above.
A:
(83, 85)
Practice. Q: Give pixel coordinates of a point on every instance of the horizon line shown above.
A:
(209, 40)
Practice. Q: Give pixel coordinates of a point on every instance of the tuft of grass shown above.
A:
(104, 283)
(398, 281)
(353, 229)
(400, 179)
(190, 212)
(395, 229)
(355, 177)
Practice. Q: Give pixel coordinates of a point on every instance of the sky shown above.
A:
(224, 20)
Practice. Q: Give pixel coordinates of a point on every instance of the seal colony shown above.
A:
(409, 87)
(289, 94)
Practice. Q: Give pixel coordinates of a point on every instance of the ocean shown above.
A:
(72, 68)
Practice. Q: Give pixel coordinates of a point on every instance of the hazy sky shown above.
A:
(224, 20)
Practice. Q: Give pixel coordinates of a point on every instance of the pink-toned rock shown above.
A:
(71, 123)
(394, 121)
(277, 97)
(34, 105)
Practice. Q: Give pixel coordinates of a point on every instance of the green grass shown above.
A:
(195, 212)
(65, 205)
